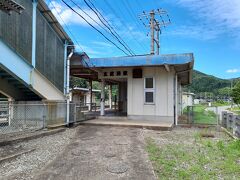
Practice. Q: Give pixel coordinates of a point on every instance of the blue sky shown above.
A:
(208, 28)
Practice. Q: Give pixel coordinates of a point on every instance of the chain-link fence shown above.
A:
(199, 114)
(15, 116)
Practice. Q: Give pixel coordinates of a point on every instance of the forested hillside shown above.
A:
(208, 85)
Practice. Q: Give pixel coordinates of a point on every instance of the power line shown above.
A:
(108, 24)
(94, 28)
(65, 25)
(125, 46)
(125, 25)
(98, 23)
(131, 13)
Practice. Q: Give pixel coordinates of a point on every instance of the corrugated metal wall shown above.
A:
(16, 30)
(50, 53)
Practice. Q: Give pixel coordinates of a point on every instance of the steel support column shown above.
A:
(34, 29)
(110, 96)
(102, 103)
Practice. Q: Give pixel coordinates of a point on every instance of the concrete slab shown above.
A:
(124, 122)
(99, 153)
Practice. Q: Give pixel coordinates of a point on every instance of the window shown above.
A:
(111, 73)
(149, 90)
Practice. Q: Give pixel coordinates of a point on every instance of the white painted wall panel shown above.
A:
(163, 93)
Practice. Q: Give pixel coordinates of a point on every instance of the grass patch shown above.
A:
(235, 110)
(203, 116)
(208, 159)
(221, 103)
(200, 115)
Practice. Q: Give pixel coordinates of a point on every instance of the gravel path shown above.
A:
(182, 136)
(46, 149)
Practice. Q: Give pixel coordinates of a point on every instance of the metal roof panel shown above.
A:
(147, 60)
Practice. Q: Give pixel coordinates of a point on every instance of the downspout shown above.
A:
(34, 29)
(68, 82)
(65, 67)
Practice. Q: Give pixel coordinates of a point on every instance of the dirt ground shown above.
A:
(95, 152)
(102, 153)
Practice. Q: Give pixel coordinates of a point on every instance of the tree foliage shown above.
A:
(78, 82)
(236, 94)
(204, 85)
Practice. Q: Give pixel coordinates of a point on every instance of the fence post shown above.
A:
(10, 112)
(75, 113)
(44, 115)
(192, 120)
(224, 119)
(237, 124)
(217, 116)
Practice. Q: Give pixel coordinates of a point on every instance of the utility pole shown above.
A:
(152, 14)
(155, 26)
(157, 39)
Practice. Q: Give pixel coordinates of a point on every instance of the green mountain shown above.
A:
(213, 86)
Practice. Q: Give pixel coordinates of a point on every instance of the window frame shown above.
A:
(149, 90)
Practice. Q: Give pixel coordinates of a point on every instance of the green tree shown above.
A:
(235, 94)
(78, 82)
(224, 92)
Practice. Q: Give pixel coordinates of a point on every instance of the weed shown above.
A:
(207, 160)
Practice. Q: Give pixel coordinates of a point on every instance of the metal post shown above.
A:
(115, 102)
(102, 108)
(34, 29)
(176, 100)
(65, 67)
(152, 31)
(90, 82)
(110, 96)
(68, 83)
(44, 115)
(158, 41)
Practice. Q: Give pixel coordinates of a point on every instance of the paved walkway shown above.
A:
(124, 122)
(102, 153)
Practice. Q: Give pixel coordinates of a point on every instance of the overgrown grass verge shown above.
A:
(206, 159)
(202, 116)
(235, 110)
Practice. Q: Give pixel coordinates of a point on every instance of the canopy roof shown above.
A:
(85, 67)
(143, 60)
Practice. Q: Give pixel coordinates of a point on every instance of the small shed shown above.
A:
(149, 86)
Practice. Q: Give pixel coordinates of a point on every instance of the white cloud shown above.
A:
(213, 18)
(97, 48)
(67, 16)
(233, 70)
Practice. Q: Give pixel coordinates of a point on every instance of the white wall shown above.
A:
(45, 88)
(164, 93)
(163, 108)
(187, 100)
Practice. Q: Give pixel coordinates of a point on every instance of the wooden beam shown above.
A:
(167, 67)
